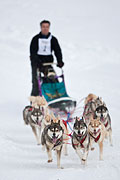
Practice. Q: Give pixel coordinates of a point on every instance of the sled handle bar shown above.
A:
(48, 64)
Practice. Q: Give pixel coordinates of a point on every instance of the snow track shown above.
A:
(88, 32)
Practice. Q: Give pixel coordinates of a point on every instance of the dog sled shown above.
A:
(52, 87)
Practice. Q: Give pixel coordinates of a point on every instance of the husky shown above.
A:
(97, 134)
(38, 101)
(103, 114)
(91, 103)
(81, 139)
(33, 115)
(47, 121)
(52, 139)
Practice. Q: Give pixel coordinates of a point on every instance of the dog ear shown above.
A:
(83, 119)
(106, 108)
(51, 121)
(59, 121)
(94, 116)
(98, 98)
(104, 104)
(75, 118)
(78, 118)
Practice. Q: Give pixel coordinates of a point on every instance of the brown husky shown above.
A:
(97, 134)
(91, 103)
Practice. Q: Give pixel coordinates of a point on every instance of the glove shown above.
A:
(60, 64)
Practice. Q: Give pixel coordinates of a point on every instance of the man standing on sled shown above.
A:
(41, 48)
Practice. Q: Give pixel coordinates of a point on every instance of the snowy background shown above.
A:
(88, 32)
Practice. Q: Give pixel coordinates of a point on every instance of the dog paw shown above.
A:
(101, 159)
(43, 148)
(38, 144)
(83, 162)
(50, 160)
(92, 149)
(60, 167)
(65, 154)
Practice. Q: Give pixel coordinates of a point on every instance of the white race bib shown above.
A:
(44, 46)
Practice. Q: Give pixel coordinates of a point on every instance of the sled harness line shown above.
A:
(80, 101)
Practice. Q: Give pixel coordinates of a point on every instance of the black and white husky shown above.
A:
(34, 116)
(103, 114)
(81, 139)
(52, 139)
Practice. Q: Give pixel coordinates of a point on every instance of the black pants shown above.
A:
(42, 69)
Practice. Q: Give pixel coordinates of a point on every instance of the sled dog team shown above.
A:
(52, 132)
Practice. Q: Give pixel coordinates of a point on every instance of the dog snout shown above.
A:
(53, 134)
(78, 131)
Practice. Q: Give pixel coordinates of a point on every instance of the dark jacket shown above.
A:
(45, 58)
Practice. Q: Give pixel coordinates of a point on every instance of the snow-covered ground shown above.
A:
(88, 31)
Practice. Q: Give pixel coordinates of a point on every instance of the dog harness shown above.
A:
(106, 124)
(96, 139)
(81, 141)
(58, 142)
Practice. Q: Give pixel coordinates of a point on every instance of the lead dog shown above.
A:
(81, 139)
(52, 139)
(97, 134)
(103, 113)
(47, 121)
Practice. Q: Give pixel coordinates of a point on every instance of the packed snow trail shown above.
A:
(88, 32)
